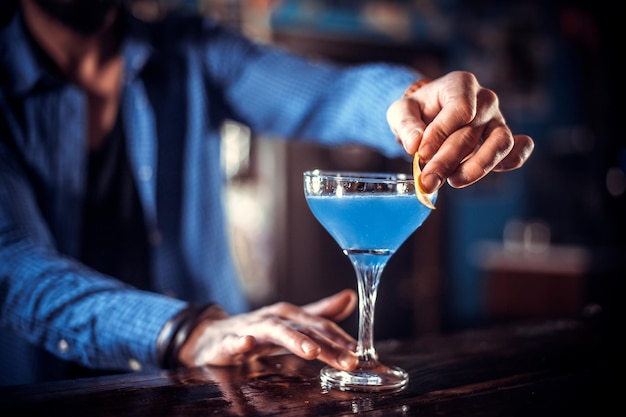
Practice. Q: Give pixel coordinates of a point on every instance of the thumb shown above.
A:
(405, 121)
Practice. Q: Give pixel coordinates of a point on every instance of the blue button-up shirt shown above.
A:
(183, 78)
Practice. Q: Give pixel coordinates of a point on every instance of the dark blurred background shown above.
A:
(545, 241)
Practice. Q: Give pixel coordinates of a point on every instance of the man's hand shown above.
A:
(310, 332)
(457, 129)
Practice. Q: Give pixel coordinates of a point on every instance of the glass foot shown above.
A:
(368, 378)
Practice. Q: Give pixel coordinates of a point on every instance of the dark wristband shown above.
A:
(176, 332)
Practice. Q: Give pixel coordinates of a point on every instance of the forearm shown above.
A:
(350, 108)
(78, 314)
(286, 96)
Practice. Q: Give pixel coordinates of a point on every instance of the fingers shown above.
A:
(304, 331)
(471, 153)
(312, 316)
(466, 154)
(465, 137)
(312, 330)
(333, 354)
(404, 118)
(308, 337)
(522, 149)
(336, 307)
(434, 111)
(499, 151)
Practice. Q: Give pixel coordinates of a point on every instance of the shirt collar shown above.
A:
(19, 64)
(136, 46)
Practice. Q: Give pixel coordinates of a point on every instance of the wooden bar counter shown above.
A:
(562, 367)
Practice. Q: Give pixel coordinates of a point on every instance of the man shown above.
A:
(113, 250)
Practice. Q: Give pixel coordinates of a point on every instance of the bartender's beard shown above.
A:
(84, 17)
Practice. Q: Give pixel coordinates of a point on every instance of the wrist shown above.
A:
(178, 329)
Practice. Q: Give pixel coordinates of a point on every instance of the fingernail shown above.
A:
(431, 182)
(347, 360)
(308, 346)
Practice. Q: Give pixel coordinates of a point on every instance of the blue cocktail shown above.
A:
(369, 215)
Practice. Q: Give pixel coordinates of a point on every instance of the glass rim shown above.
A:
(360, 175)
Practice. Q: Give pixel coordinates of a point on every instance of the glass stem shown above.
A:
(368, 266)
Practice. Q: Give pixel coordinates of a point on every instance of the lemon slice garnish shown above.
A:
(422, 196)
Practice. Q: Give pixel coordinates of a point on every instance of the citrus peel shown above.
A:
(422, 196)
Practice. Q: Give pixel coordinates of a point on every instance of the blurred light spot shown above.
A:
(615, 182)
(63, 346)
(236, 145)
(134, 364)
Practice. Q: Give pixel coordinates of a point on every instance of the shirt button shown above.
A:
(63, 346)
(145, 173)
(155, 237)
(134, 364)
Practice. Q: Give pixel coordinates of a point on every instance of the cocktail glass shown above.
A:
(369, 215)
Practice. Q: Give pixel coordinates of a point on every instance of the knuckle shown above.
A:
(464, 115)
(327, 326)
(465, 77)
(282, 307)
(488, 96)
(468, 140)
(506, 145)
